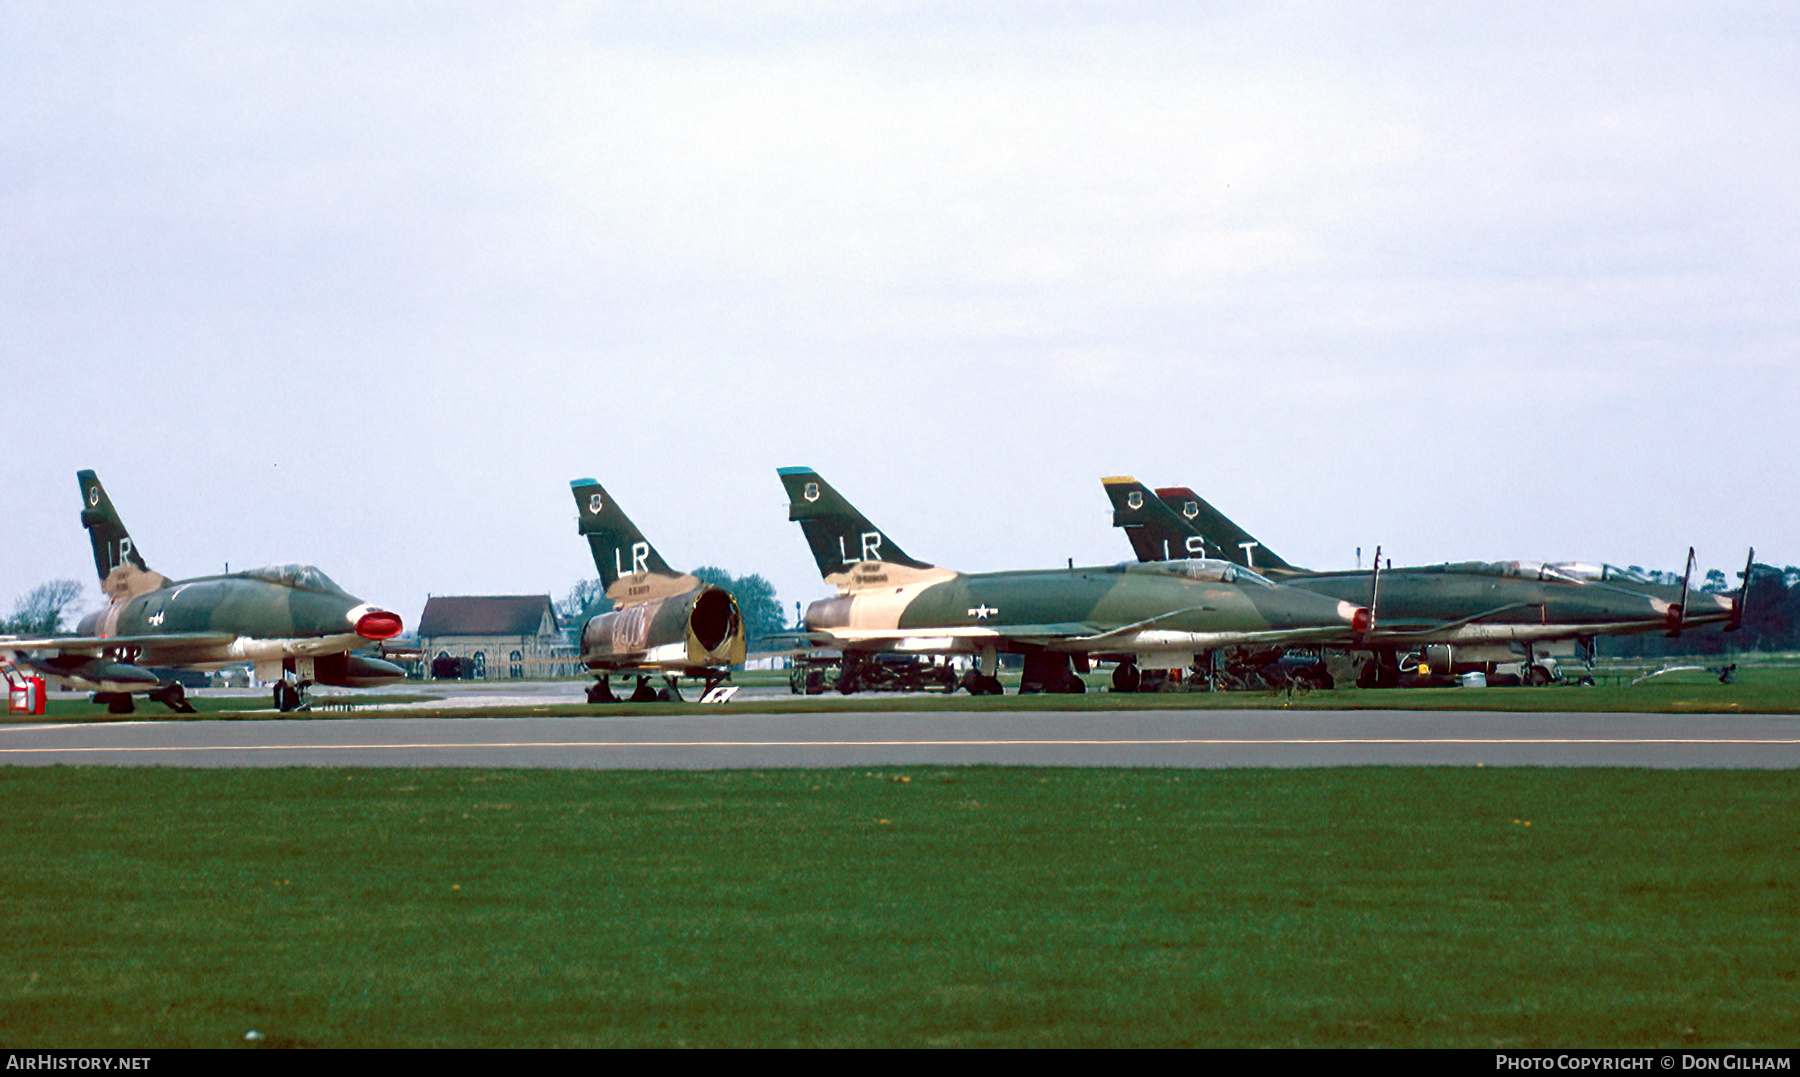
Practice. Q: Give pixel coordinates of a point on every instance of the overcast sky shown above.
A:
(365, 285)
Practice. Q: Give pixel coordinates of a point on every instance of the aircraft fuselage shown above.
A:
(1145, 610)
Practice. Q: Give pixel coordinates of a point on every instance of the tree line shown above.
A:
(1771, 618)
(43, 610)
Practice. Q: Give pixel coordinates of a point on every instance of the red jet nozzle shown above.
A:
(378, 624)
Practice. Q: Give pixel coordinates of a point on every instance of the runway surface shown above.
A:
(1092, 738)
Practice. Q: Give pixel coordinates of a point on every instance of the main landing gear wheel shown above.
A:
(1126, 677)
(601, 692)
(643, 693)
(116, 702)
(979, 684)
(287, 697)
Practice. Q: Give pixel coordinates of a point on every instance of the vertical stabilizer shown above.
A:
(631, 570)
(840, 536)
(1230, 541)
(117, 561)
(1157, 532)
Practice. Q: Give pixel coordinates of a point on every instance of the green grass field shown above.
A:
(921, 907)
(1770, 689)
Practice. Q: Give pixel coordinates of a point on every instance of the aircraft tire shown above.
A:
(1126, 677)
(643, 693)
(116, 702)
(601, 692)
(1077, 686)
(287, 697)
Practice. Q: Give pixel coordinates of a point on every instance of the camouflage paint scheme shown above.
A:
(291, 622)
(1464, 603)
(662, 621)
(1161, 614)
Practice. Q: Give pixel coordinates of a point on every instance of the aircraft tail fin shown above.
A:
(621, 552)
(839, 535)
(1223, 538)
(116, 558)
(1157, 532)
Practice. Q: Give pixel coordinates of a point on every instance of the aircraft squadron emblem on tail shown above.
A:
(291, 622)
(662, 621)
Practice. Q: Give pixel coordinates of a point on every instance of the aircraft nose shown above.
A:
(373, 623)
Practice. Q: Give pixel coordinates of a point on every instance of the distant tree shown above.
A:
(575, 606)
(1769, 622)
(755, 598)
(40, 611)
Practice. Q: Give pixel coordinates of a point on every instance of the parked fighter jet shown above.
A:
(296, 626)
(1162, 614)
(1459, 613)
(662, 621)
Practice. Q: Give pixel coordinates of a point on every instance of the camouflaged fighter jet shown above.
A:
(1460, 613)
(662, 621)
(1159, 614)
(290, 621)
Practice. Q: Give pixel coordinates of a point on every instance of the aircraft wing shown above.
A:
(1475, 631)
(98, 645)
(1472, 628)
(1073, 636)
(1162, 640)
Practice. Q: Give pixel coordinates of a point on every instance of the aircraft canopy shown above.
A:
(1205, 569)
(303, 577)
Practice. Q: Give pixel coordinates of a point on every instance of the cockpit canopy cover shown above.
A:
(1206, 570)
(303, 577)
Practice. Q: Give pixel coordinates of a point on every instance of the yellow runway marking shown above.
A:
(1172, 742)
